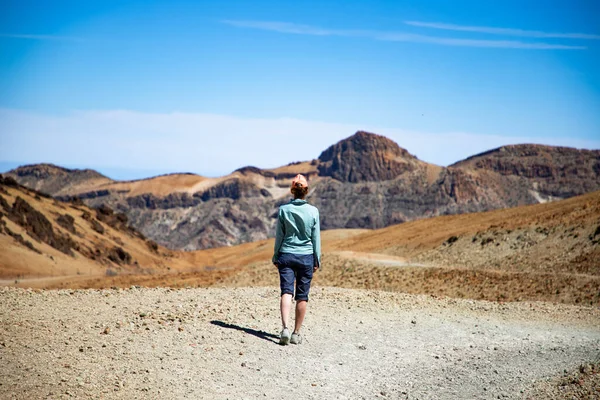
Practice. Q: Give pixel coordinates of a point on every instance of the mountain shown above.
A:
(54, 180)
(364, 181)
(540, 252)
(366, 157)
(41, 236)
(554, 172)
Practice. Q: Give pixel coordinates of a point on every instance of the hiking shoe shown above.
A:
(285, 337)
(296, 338)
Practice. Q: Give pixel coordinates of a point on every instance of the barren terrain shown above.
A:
(221, 344)
(479, 315)
(544, 252)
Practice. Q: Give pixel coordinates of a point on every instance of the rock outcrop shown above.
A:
(51, 179)
(365, 157)
(39, 227)
(552, 172)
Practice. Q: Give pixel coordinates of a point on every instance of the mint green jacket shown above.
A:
(298, 230)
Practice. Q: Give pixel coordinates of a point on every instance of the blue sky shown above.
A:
(139, 88)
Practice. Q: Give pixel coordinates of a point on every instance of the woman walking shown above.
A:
(297, 255)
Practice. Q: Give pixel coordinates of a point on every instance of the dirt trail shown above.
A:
(221, 343)
(378, 259)
(45, 279)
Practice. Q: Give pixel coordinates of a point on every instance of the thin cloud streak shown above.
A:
(502, 31)
(299, 29)
(40, 37)
(503, 44)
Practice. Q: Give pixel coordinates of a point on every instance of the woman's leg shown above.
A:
(286, 284)
(285, 305)
(300, 313)
(304, 274)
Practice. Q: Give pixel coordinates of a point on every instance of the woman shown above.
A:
(297, 255)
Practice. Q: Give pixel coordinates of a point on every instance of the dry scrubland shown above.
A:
(545, 252)
(441, 338)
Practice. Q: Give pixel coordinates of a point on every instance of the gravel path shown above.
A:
(381, 259)
(221, 343)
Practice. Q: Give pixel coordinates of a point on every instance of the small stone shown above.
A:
(180, 329)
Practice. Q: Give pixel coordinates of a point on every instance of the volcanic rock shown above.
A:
(39, 227)
(365, 157)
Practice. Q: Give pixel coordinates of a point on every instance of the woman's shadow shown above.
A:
(260, 334)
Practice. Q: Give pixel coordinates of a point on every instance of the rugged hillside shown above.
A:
(368, 181)
(364, 181)
(55, 180)
(554, 172)
(41, 237)
(548, 252)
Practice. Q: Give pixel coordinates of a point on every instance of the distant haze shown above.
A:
(127, 145)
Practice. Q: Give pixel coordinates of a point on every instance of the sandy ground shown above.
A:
(222, 343)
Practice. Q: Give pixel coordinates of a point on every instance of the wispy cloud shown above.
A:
(502, 31)
(40, 37)
(299, 29)
(287, 27)
(505, 44)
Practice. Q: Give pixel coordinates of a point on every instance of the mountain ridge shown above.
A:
(363, 181)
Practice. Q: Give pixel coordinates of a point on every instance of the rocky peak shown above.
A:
(364, 157)
(50, 170)
(50, 178)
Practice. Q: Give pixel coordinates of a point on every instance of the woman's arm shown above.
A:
(316, 241)
(279, 235)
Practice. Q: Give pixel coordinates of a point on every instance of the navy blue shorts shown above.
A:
(298, 267)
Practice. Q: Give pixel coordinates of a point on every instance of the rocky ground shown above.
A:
(222, 343)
